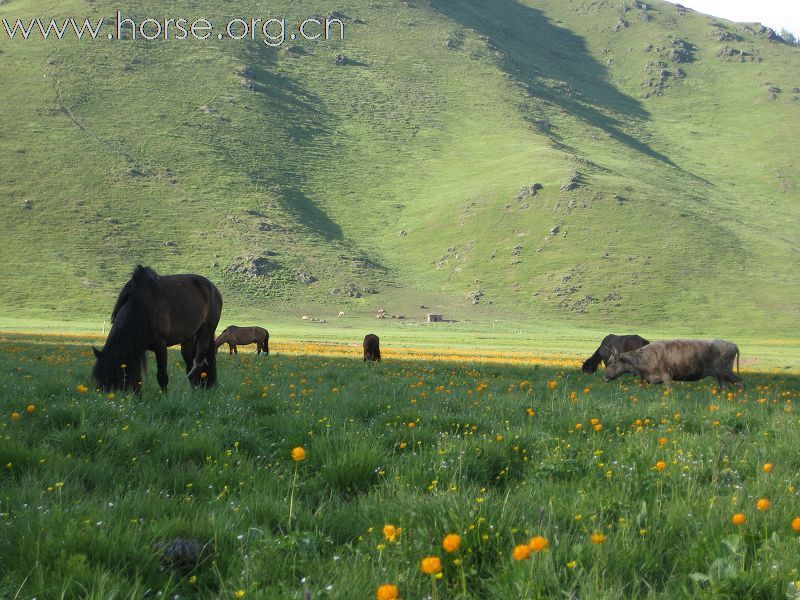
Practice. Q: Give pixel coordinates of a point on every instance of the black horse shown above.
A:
(152, 313)
(372, 347)
(620, 343)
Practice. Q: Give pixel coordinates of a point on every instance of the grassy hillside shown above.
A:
(395, 179)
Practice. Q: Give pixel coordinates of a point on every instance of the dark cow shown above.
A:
(620, 343)
(372, 347)
(678, 360)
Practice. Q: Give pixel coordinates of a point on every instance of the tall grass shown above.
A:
(92, 487)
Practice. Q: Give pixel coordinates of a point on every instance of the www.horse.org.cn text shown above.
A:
(273, 32)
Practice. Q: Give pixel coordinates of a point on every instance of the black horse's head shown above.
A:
(590, 365)
(114, 371)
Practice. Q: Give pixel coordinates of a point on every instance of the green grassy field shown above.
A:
(634, 489)
(394, 170)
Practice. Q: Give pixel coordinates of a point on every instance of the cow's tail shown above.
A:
(590, 366)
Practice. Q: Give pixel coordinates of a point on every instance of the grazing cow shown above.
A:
(678, 360)
(620, 343)
(372, 347)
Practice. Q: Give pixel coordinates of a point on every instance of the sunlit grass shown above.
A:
(616, 489)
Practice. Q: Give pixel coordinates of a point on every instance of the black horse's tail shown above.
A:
(590, 366)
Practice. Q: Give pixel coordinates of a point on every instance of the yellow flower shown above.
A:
(299, 454)
(391, 533)
(239, 594)
(598, 427)
(522, 552)
(586, 390)
(763, 504)
(193, 579)
(411, 424)
(572, 564)
(31, 408)
(81, 389)
(739, 519)
(388, 591)
(15, 416)
(579, 426)
(431, 565)
(112, 396)
(662, 441)
(768, 467)
(796, 524)
(599, 538)
(539, 543)
(661, 465)
(451, 542)
(403, 445)
(552, 384)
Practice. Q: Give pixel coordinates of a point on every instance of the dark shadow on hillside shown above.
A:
(553, 64)
(290, 121)
(307, 212)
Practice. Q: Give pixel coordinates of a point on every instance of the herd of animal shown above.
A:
(666, 361)
(154, 312)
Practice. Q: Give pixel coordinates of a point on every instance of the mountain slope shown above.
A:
(662, 140)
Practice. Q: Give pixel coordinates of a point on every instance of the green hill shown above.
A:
(398, 167)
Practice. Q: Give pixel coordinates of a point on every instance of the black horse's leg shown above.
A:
(187, 352)
(231, 348)
(161, 366)
(207, 356)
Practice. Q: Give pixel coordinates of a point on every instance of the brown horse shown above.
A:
(241, 336)
(152, 313)
(372, 347)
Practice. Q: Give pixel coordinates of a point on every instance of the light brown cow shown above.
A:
(678, 360)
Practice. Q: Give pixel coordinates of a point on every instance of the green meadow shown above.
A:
(540, 172)
(634, 489)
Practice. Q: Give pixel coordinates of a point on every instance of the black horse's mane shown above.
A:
(141, 279)
(130, 329)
